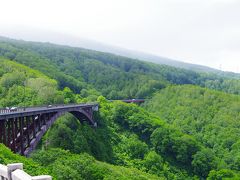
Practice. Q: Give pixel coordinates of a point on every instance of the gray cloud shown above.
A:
(203, 32)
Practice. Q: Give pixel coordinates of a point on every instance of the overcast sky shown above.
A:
(203, 32)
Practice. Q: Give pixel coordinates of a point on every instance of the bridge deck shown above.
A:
(5, 113)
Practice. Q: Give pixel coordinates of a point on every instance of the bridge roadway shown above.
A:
(18, 112)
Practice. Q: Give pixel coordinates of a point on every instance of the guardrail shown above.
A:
(8, 110)
(15, 172)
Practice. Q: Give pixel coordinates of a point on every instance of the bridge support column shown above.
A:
(16, 128)
(9, 133)
(21, 119)
(28, 130)
(34, 126)
(13, 135)
(39, 122)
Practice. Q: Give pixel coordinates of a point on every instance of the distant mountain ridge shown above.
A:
(67, 40)
(93, 45)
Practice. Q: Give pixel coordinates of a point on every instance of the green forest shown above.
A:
(188, 127)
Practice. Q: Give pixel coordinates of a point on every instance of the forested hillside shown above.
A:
(212, 117)
(183, 131)
(115, 77)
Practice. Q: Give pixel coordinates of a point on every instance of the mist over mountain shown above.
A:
(36, 35)
(31, 34)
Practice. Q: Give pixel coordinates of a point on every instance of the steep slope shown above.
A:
(212, 117)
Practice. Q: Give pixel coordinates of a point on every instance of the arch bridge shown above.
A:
(21, 129)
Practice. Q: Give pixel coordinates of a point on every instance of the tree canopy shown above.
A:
(188, 128)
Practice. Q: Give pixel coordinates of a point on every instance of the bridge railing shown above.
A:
(8, 110)
(15, 172)
(129, 100)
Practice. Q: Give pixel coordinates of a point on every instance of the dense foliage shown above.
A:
(124, 136)
(65, 165)
(212, 117)
(136, 139)
(181, 132)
